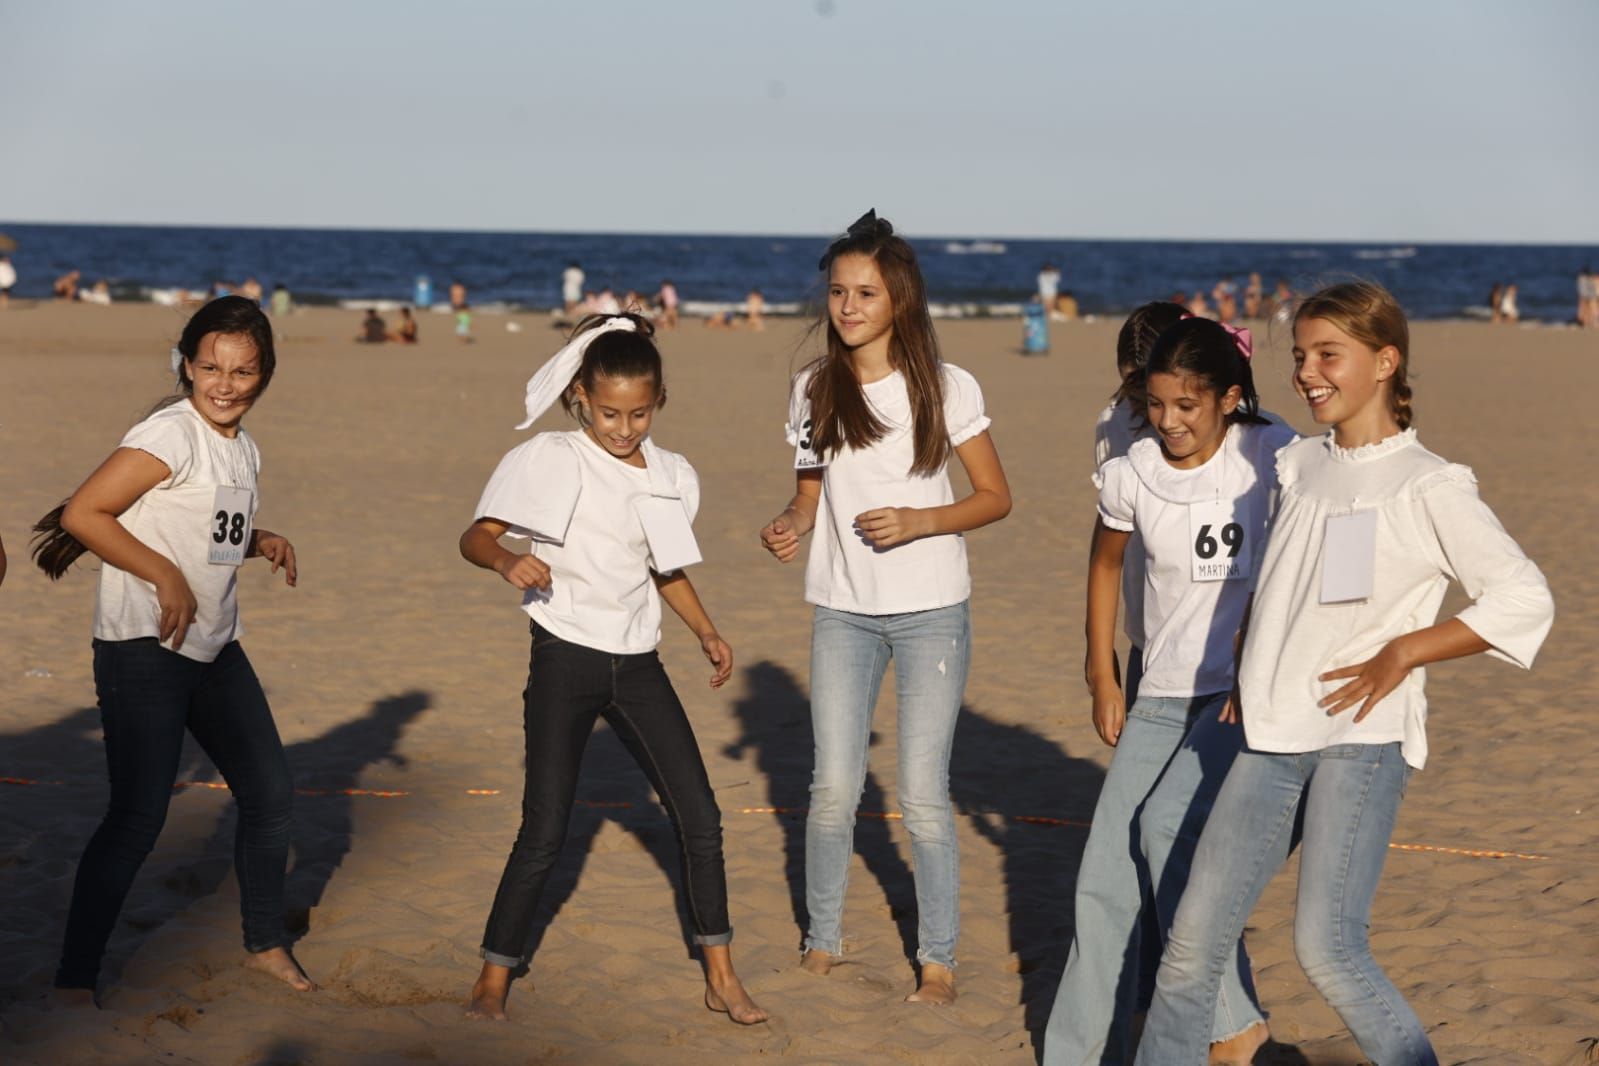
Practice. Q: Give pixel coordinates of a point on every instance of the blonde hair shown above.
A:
(1370, 314)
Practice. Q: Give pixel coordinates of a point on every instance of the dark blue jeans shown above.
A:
(568, 687)
(148, 697)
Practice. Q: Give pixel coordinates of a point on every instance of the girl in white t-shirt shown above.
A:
(608, 512)
(171, 514)
(1370, 529)
(874, 422)
(1198, 495)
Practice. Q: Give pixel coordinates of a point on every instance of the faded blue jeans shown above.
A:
(931, 651)
(1348, 797)
(1170, 762)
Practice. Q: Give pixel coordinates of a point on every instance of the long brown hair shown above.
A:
(840, 413)
(54, 549)
(1370, 314)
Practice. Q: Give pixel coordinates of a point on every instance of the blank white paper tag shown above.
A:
(1218, 543)
(670, 536)
(804, 457)
(230, 526)
(1349, 557)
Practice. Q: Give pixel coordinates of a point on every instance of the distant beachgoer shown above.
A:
(218, 289)
(250, 289)
(407, 333)
(571, 287)
(1254, 296)
(1049, 286)
(1282, 296)
(1496, 296)
(171, 514)
(463, 324)
(373, 329)
(721, 320)
(280, 300)
(1066, 309)
(1587, 297)
(1226, 296)
(633, 303)
(1198, 307)
(8, 280)
(98, 293)
(1035, 327)
(1509, 313)
(457, 296)
(607, 303)
(755, 308)
(422, 292)
(66, 286)
(667, 298)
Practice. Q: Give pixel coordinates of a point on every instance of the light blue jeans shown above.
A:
(849, 654)
(1348, 796)
(1170, 762)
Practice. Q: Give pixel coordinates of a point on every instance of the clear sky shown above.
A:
(1418, 120)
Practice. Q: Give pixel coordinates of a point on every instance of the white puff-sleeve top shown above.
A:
(1431, 527)
(845, 573)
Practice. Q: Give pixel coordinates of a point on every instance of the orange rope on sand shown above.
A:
(1029, 819)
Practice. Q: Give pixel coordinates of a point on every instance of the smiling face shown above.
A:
(1344, 382)
(226, 372)
(1190, 417)
(619, 412)
(858, 304)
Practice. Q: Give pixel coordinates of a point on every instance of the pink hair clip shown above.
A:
(1242, 338)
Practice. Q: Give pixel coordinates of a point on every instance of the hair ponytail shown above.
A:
(619, 353)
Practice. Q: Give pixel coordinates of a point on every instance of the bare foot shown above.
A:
(72, 997)
(731, 999)
(278, 963)
(1240, 1050)
(937, 986)
(489, 994)
(817, 963)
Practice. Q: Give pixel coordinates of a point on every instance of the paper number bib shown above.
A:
(230, 526)
(804, 457)
(1349, 557)
(1217, 542)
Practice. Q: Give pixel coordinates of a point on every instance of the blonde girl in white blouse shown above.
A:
(1370, 529)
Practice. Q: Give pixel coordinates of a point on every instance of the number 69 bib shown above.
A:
(230, 526)
(1217, 541)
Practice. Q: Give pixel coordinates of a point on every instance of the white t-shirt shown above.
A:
(572, 285)
(177, 519)
(8, 274)
(847, 574)
(1190, 624)
(1430, 527)
(601, 595)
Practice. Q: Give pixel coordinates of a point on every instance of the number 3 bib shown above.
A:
(1217, 535)
(230, 526)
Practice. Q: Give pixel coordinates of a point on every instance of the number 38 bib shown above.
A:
(1217, 535)
(230, 526)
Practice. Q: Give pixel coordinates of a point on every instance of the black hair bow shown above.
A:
(868, 225)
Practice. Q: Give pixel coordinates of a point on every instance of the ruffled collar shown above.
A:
(1181, 486)
(1367, 452)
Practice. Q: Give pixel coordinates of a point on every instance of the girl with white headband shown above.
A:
(609, 515)
(171, 514)
(1196, 496)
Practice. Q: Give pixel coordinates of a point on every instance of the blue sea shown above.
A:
(965, 276)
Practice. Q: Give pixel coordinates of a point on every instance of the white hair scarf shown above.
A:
(544, 388)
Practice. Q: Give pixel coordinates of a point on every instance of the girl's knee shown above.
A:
(928, 819)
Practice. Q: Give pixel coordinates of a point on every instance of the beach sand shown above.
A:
(397, 667)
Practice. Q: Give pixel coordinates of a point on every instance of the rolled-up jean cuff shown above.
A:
(713, 940)
(924, 958)
(508, 961)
